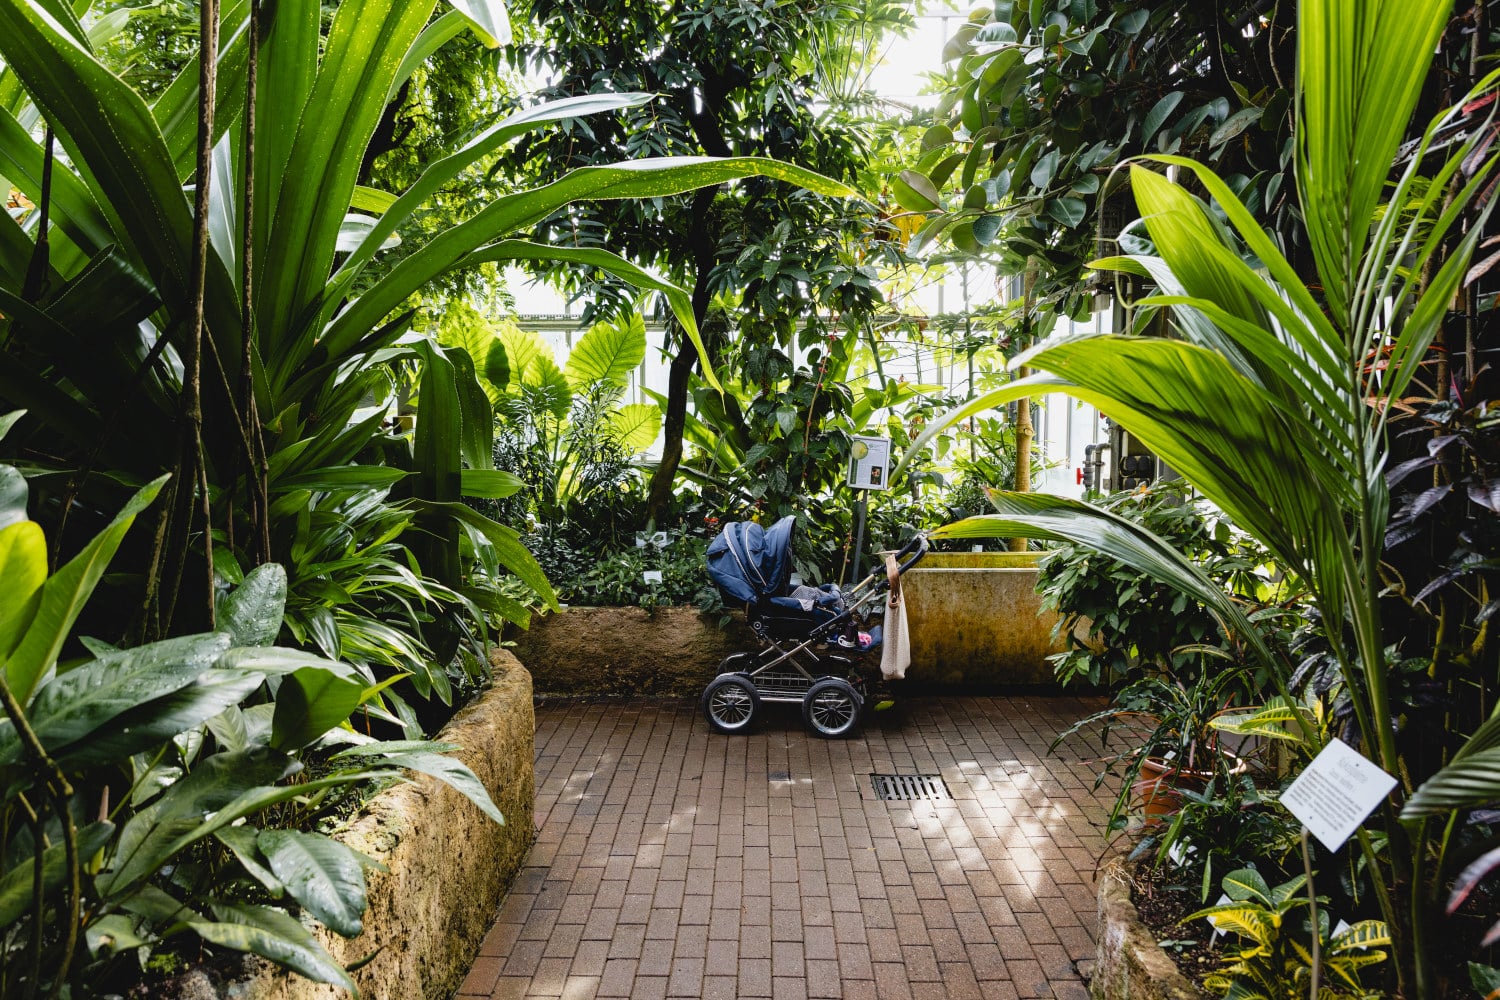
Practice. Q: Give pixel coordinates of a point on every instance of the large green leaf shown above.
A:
(608, 352)
(111, 134)
(309, 703)
(442, 171)
(13, 494)
(23, 567)
(636, 425)
(1360, 71)
(157, 832)
(18, 884)
(273, 935)
(491, 484)
(291, 37)
(325, 876)
(75, 705)
(489, 18)
(360, 56)
(63, 597)
(74, 210)
(427, 760)
(251, 614)
(1465, 783)
(507, 542)
(645, 178)
(148, 726)
(437, 457)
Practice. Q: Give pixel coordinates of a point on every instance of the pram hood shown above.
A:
(748, 562)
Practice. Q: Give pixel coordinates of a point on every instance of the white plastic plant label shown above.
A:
(651, 576)
(1336, 792)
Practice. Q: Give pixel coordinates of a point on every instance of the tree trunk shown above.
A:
(701, 239)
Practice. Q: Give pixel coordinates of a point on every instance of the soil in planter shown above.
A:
(1162, 901)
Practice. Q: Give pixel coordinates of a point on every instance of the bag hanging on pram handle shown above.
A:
(895, 652)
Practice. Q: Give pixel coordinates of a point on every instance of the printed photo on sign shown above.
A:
(869, 461)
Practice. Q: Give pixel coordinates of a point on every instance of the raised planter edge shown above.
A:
(1129, 963)
(448, 865)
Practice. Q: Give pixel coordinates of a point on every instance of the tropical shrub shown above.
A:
(289, 349)
(1138, 625)
(158, 794)
(1275, 957)
(1264, 404)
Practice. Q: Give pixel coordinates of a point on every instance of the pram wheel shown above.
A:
(730, 703)
(830, 708)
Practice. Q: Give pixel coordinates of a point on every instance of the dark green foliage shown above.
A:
(1136, 624)
(1046, 97)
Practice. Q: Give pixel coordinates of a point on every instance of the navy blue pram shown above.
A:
(811, 649)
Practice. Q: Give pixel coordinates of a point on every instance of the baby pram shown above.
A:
(811, 648)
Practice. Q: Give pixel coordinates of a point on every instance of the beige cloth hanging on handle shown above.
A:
(895, 648)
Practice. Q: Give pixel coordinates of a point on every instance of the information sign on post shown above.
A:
(1335, 793)
(870, 463)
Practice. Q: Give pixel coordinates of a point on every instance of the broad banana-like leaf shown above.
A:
(636, 425)
(325, 876)
(63, 597)
(360, 55)
(354, 229)
(274, 935)
(608, 352)
(309, 703)
(522, 349)
(644, 178)
(251, 613)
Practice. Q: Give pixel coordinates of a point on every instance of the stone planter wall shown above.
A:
(448, 864)
(628, 651)
(976, 621)
(1130, 965)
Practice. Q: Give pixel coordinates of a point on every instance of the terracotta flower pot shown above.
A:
(1155, 789)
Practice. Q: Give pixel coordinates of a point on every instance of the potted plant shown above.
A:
(1158, 734)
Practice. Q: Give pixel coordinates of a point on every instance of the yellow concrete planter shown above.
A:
(976, 620)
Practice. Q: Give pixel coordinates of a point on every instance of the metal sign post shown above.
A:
(869, 469)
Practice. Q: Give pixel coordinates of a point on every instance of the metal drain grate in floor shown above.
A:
(910, 787)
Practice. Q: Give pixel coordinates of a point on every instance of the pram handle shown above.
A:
(918, 545)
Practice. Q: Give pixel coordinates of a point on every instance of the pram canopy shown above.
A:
(750, 563)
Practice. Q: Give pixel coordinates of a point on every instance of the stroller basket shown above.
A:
(810, 640)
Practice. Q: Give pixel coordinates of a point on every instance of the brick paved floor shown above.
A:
(672, 862)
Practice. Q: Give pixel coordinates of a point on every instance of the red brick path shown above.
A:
(671, 862)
